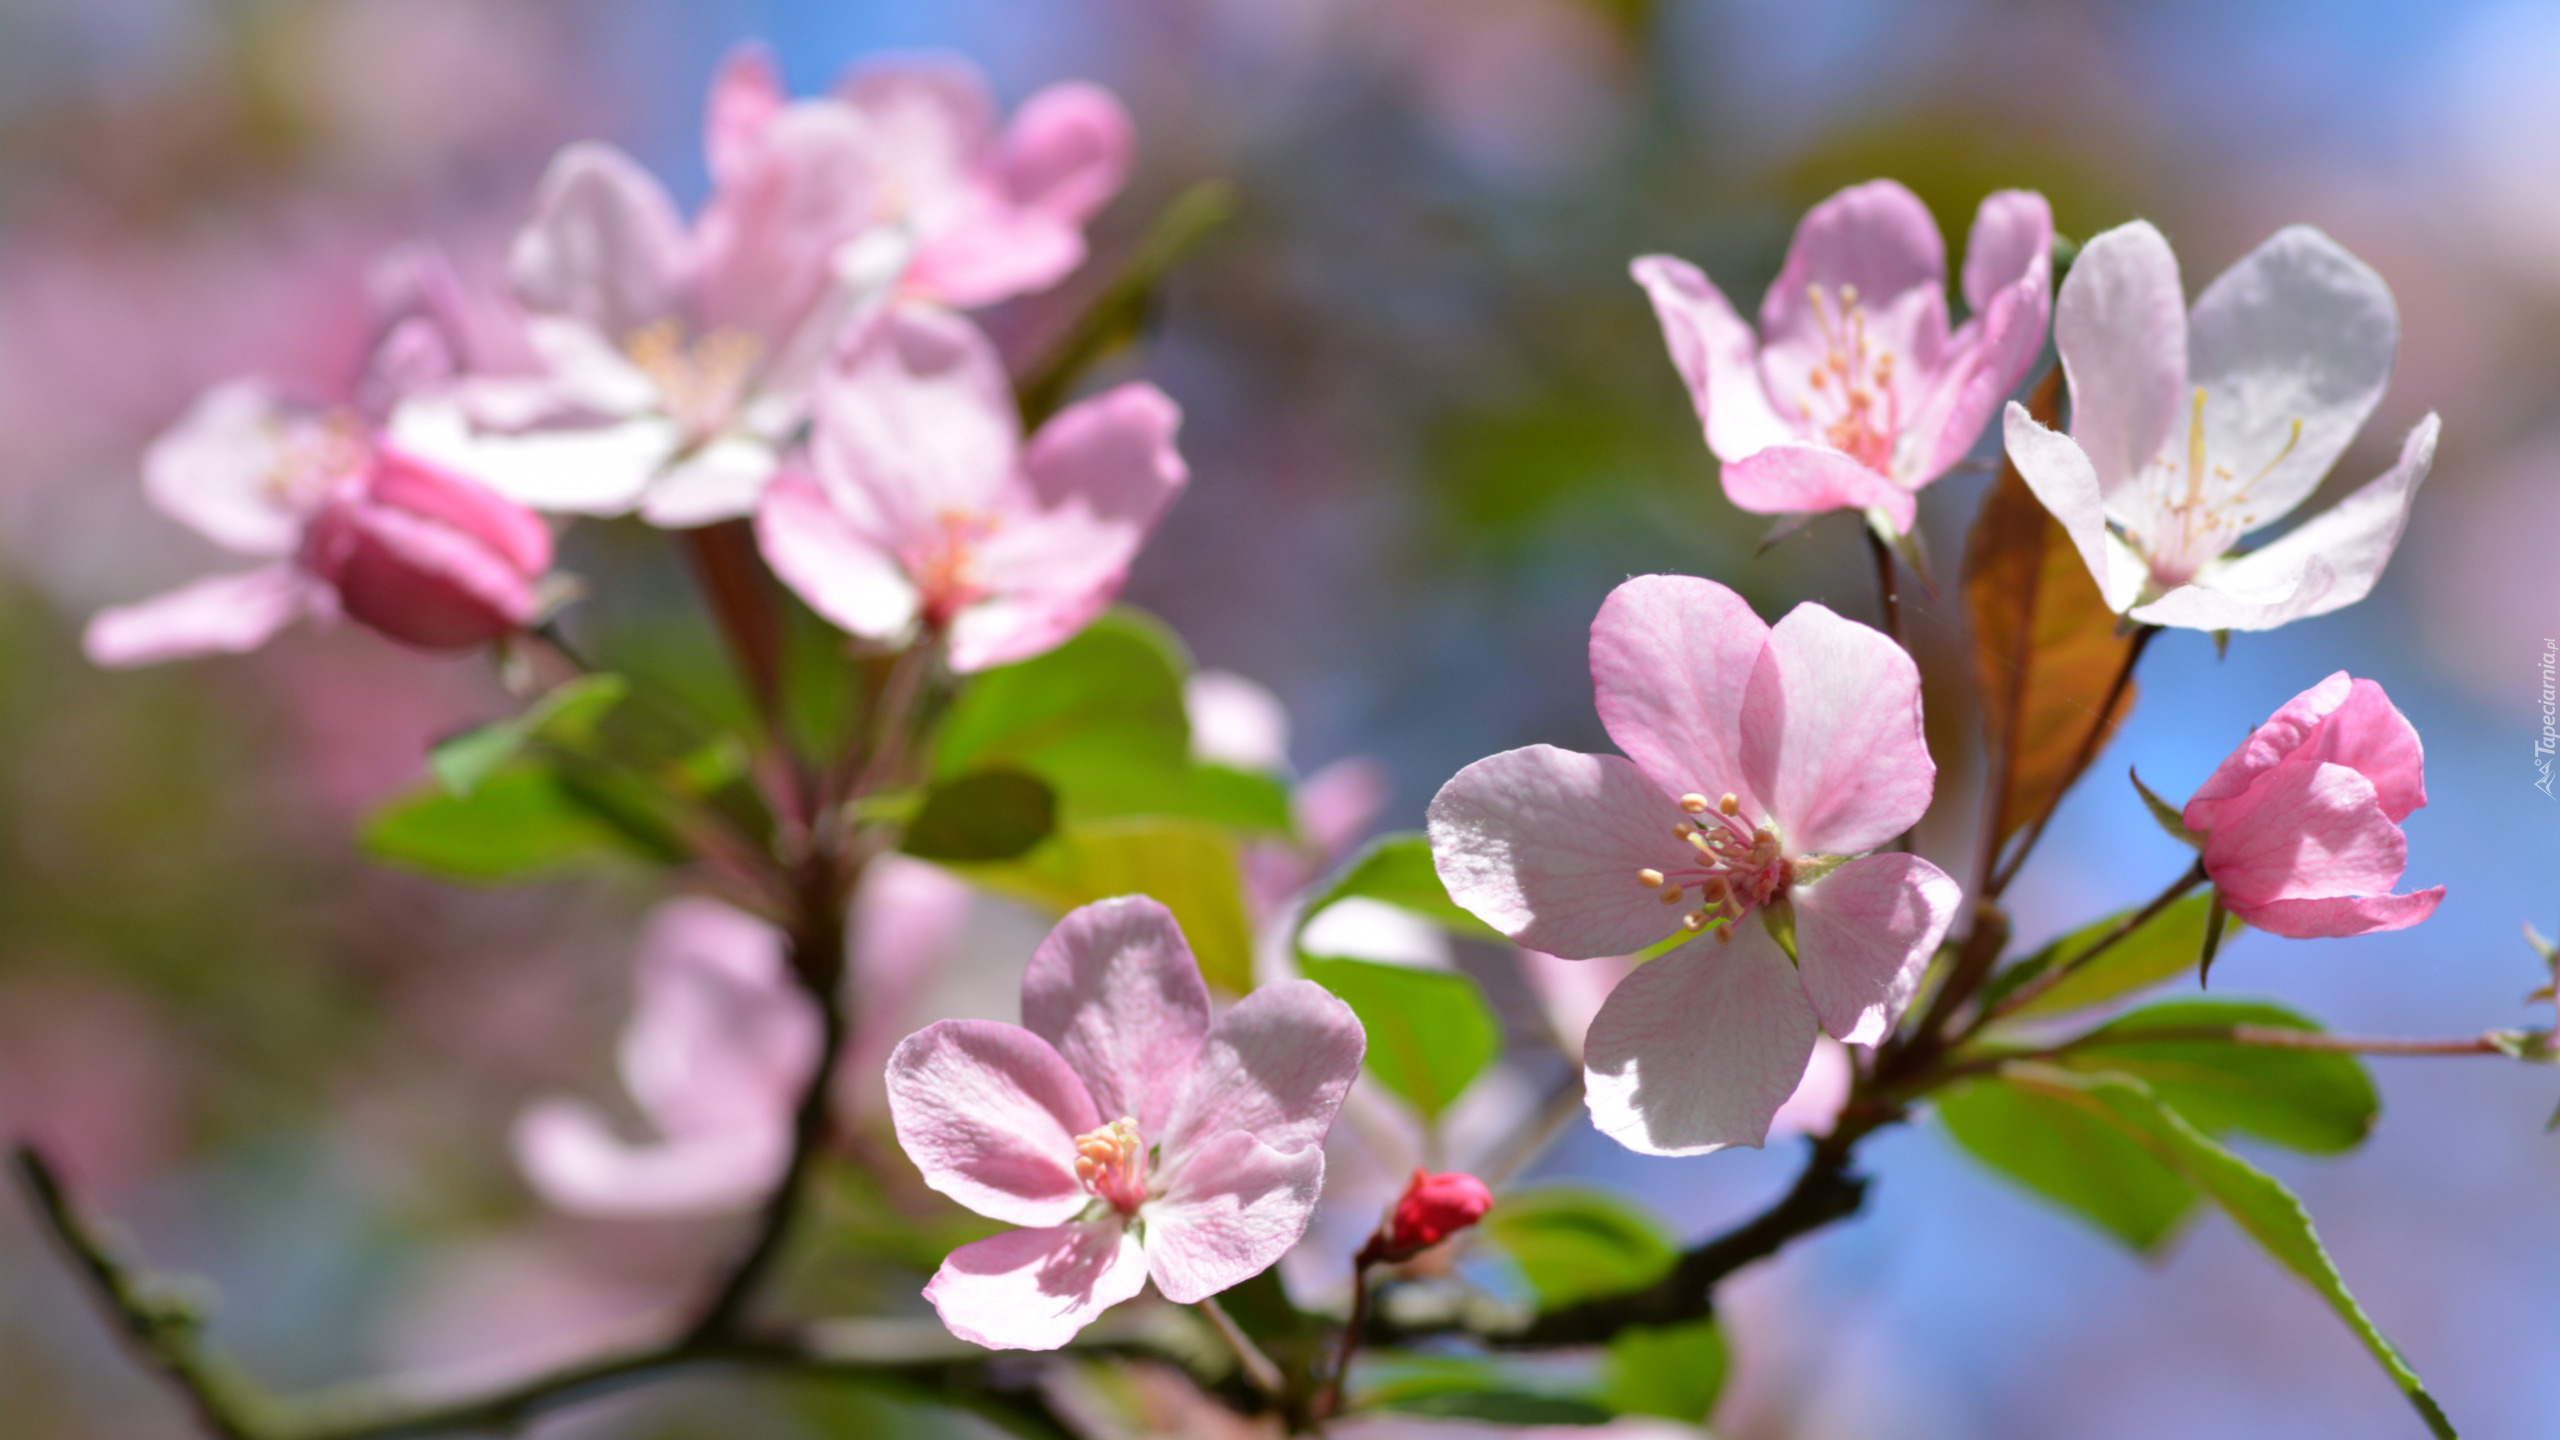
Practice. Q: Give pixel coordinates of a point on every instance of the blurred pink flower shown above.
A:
(906, 932)
(428, 558)
(2189, 429)
(1761, 756)
(719, 1045)
(2301, 825)
(926, 508)
(1207, 1175)
(992, 213)
(1854, 395)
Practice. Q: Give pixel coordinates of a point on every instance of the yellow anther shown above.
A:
(1649, 879)
(1698, 843)
(1671, 896)
(1694, 920)
(1731, 804)
(1695, 804)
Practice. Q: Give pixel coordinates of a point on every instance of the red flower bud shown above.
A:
(428, 557)
(1433, 1208)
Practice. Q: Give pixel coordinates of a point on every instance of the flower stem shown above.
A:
(1329, 1401)
(1259, 1370)
(1888, 594)
(2029, 990)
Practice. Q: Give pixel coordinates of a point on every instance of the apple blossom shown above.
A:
(2190, 429)
(924, 508)
(719, 1045)
(349, 524)
(2301, 826)
(1431, 1209)
(1760, 757)
(1854, 395)
(1131, 1134)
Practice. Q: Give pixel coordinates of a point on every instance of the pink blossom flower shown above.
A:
(992, 213)
(2301, 825)
(925, 509)
(719, 1046)
(349, 525)
(1760, 757)
(1206, 1171)
(1854, 395)
(2190, 429)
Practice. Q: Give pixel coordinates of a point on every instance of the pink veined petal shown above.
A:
(2306, 829)
(1815, 1106)
(2120, 326)
(2058, 472)
(2012, 230)
(766, 244)
(1034, 1289)
(1115, 988)
(842, 573)
(720, 1037)
(2299, 332)
(1004, 629)
(581, 1167)
(604, 246)
(932, 124)
(1276, 1067)
(2326, 563)
(2369, 735)
(2333, 916)
(1697, 1049)
(2008, 277)
(1717, 357)
(989, 1112)
(1864, 935)
(907, 923)
(1879, 239)
(990, 250)
(916, 427)
(222, 469)
(1067, 151)
(218, 615)
(1233, 1211)
(1831, 735)
(746, 94)
(2286, 731)
(1671, 661)
(1796, 479)
(1544, 845)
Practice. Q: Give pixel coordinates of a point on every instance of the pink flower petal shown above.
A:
(1717, 357)
(1671, 660)
(721, 1037)
(1233, 1211)
(1115, 988)
(931, 120)
(407, 482)
(1276, 1066)
(1544, 845)
(2059, 474)
(1815, 1106)
(1879, 239)
(2306, 829)
(581, 1167)
(1831, 735)
(765, 247)
(1697, 1049)
(746, 94)
(604, 246)
(2332, 916)
(219, 615)
(217, 470)
(991, 251)
(1067, 151)
(415, 580)
(2012, 230)
(908, 921)
(843, 574)
(1798, 479)
(1865, 934)
(2120, 326)
(2293, 725)
(1034, 1289)
(2008, 279)
(989, 1112)
(916, 423)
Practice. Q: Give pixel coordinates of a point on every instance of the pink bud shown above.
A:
(428, 557)
(1433, 1208)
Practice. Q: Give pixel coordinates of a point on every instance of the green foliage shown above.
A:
(1188, 865)
(2168, 817)
(1573, 1242)
(521, 820)
(1430, 1031)
(2077, 1160)
(2160, 951)
(569, 715)
(1397, 870)
(1464, 1388)
(2319, 1102)
(994, 814)
(1674, 1371)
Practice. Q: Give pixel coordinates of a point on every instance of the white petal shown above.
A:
(1697, 1050)
(2059, 472)
(2120, 326)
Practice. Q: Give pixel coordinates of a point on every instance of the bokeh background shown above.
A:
(1431, 423)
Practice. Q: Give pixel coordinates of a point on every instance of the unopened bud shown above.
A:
(1433, 1208)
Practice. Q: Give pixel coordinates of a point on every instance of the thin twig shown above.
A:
(1259, 1369)
(2063, 969)
(1329, 1400)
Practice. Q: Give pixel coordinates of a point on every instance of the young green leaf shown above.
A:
(2318, 1102)
(1430, 1031)
(993, 814)
(568, 714)
(1397, 869)
(1573, 1242)
(1188, 865)
(2167, 816)
(1674, 1371)
(2081, 1162)
(2159, 951)
(520, 821)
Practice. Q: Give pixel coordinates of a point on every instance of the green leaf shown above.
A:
(1464, 1387)
(2059, 1151)
(2167, 816)
(1573, 1242)
(992, 814)
(2263, 1209)
(2160, 951)
(2314, 1101)
(1397, 869)
(1674, 1371)
(1187, 865)
(1430, 1031)
(1248, 800)
(568, 714)
(524, 819)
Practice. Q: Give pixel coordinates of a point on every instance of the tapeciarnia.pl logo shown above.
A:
(2544, 744)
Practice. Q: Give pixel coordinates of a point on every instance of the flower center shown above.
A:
(1729, 868)
(701, 383)
(1852, 384)
(312, 457)
(1112, 1163)
(2198, 508)
(945, 568)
